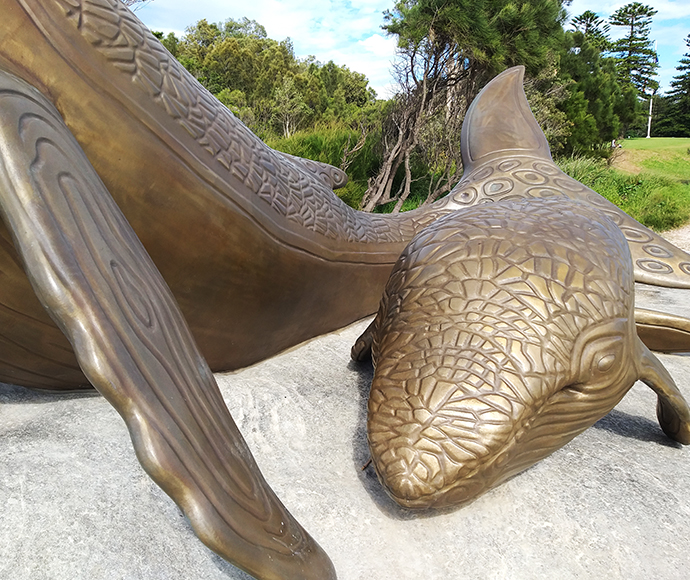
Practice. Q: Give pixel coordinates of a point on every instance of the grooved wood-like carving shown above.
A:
(95, 279)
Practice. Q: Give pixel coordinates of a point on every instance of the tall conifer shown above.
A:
(636, 58)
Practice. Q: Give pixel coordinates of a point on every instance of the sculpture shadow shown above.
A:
(635, 427)
(14, 394)
(232, 572)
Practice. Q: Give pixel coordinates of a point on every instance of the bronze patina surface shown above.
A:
(507, 329)
(252, 245)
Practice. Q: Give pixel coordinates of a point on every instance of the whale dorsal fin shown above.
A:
(500, 122)
(501, 136)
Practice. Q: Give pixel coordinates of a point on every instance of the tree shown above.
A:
(598, 104)
(171, 42)
(265, 84)
(289, 108)
(136, 4)
(674, 109)
(636, 58)
(447, 51)
(594, 29)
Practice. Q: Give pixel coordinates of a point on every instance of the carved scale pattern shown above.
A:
(296, 190)
(515, 177)
(474, 340)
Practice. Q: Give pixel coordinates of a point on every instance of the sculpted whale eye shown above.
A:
(606, 362)
(598, 350)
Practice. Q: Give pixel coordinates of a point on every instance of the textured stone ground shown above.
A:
(613, 504)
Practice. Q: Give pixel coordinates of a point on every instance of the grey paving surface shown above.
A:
(75, 504)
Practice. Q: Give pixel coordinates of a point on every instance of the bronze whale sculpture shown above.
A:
(504, 331)
(255, 248)
(507, 329)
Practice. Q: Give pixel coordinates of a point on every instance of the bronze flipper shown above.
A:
(663, 332)
(92, 274)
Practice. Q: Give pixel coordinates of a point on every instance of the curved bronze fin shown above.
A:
(672, 409)
(500, 124)
(99, 285)
(663, 332)
(655, 260)
(361, 350)
(499, 121)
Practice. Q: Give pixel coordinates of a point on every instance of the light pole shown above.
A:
(651, 97)
(649, 120)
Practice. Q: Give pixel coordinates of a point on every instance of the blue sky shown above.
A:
(349, 31)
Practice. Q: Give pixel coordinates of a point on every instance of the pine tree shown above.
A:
(674, 117)
(636, 58)
(594, 29)
(597, 105)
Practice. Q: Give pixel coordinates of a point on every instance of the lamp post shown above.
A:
(649, 120)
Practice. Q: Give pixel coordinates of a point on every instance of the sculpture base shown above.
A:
(608, 504)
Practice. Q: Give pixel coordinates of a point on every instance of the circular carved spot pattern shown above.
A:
(482, 174)
(657, 251)
(685, 267)
(338, 178)
(654, 266)
(546, 168)
(542, 192)
(530, 177)
(614, 217)
(595, 199)
(498, 186)
(569, 184)
(632, 235)
(508, 165)
(466, 196)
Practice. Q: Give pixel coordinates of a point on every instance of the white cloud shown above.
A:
(379, 45)
(345, 31)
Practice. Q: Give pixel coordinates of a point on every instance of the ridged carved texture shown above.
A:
(296, 188)
(504, 331)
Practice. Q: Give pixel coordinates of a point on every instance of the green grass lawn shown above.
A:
(665, 157)
(650, 180)
(669, 144)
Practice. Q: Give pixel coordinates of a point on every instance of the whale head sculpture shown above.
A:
(504, 331)
(508, 328)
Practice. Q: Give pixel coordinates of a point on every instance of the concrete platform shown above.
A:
(612, 504)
